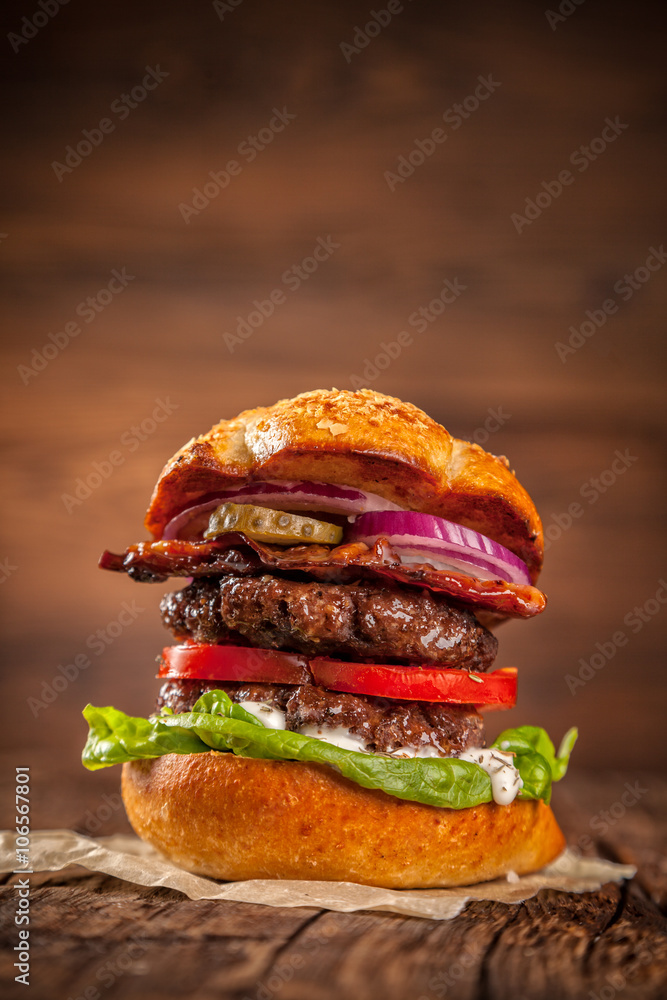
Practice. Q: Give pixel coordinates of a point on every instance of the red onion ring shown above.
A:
(423, 538)
(287, 495)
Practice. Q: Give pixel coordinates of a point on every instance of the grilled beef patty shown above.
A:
(350, 621)
(383, 724)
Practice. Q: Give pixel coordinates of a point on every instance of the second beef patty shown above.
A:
(382, 724)
(355, 620)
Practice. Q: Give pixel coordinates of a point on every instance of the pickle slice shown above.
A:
(267, 525)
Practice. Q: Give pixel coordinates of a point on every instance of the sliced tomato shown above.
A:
(234, 663)
(494, 690)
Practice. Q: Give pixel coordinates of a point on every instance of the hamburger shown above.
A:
(345, 561)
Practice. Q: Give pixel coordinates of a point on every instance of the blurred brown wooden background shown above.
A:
(162, 337)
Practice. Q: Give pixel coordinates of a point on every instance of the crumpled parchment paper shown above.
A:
(131, 859)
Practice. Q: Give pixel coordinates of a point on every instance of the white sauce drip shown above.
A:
(338, 737)
(272, 718)
(505, 779)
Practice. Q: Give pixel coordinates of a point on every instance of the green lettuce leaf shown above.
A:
(115, 738)
(217, 723)
(219, 703)
(536, 759)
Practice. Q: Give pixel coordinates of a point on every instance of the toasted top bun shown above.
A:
(362, 439)
(236, 818)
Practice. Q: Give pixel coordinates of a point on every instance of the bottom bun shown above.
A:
(239, 818)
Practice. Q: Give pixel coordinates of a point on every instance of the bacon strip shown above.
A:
(233, 553)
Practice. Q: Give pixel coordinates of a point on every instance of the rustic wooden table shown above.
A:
(95, 937)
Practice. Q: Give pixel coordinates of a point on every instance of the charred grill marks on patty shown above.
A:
(350, 621)
(194, 613)
(383, 724)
